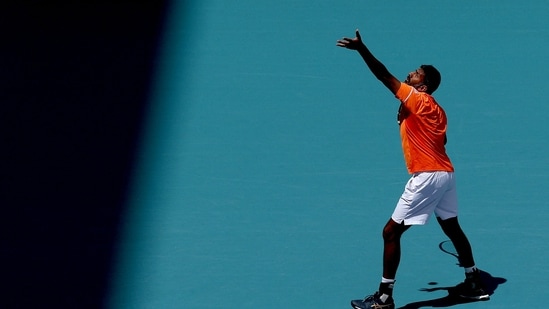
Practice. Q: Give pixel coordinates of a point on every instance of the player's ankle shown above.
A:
(386, 287)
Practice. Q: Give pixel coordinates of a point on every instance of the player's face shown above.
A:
(415, 78)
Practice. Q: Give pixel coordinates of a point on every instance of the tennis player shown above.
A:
(432, 186)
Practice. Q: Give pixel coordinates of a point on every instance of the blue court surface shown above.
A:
(271, 158)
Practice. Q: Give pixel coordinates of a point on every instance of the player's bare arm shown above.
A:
(378, 69)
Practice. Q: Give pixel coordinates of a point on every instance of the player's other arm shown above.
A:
(378, 69)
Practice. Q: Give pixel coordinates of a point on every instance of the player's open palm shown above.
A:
(349, 43)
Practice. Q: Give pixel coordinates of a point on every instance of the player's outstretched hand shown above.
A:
(349, 43)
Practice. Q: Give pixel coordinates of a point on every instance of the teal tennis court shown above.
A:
(271, 159)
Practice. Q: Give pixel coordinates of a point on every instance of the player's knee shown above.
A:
(393, 231)
(451, 228)
(389, 233)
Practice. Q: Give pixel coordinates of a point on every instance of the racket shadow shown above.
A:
(491, 283)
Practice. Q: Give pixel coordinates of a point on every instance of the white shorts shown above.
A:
(425, 193)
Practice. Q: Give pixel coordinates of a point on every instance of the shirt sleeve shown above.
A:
(404, 92)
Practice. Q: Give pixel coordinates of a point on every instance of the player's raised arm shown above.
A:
(378, 69)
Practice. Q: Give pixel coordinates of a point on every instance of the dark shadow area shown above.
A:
(75, 84)
(452, 299)
(491, 283)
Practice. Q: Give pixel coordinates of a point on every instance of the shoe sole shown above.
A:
(480, 297)
(376, 307)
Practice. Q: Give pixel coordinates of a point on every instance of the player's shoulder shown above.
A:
(404, 92)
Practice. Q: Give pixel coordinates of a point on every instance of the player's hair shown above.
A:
(432, 78)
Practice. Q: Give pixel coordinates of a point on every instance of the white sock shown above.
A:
(391, 283)
(471, 269)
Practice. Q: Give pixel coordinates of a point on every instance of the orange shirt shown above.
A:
(422, 130)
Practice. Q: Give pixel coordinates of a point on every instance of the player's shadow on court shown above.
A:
(491, 284)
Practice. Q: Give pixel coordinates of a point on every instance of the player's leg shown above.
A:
(383, 298)
(446, 212)
(453, 230)
(473, 286)
(392, 232)
(414, 207)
